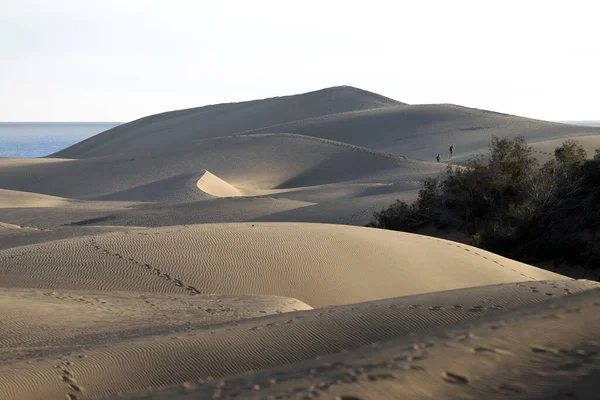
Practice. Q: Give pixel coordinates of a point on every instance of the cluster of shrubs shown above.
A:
(509, 204)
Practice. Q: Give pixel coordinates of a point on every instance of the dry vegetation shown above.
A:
(509, 204)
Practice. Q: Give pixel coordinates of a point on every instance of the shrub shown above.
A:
(509, 204)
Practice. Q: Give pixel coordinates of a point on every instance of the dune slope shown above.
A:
(263, 161)
(422, 131)
(213, 185)
(259, 343)
(542, 351)
(315, 263)
(342, 114)
(17, 199)
(176, 128)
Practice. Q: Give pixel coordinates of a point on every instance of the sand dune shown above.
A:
(351, 116)
(24, 162)
(342, 155)
(28, 236)
(422, 131)
(280, 339)
(178, 128)
(298, 170)
(541, 351)
(170, 249)
(8, 230)
(16, 199)
(262, 162)
(38, 323)
(544, 150)
(213, 185)
(315, 263)
(234, 209)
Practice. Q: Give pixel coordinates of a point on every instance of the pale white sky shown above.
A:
(118, 60)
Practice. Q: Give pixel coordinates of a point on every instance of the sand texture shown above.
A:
(219, 252)
(540, 351)
(151, 357)
(315, 263)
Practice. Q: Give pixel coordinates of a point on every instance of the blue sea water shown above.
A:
(584, 123)
(39, 139)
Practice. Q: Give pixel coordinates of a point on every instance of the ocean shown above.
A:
(39, 139)
(582, 123)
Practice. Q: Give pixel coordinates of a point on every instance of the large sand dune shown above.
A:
(344, 152)
(257, 162)
(539, 351)
(315, 263)
(422, 131)
(156, 358)
(343, 180)
(193, 244)
(178, 128)
(418, 131)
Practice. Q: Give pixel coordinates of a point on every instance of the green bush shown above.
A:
(507, 203)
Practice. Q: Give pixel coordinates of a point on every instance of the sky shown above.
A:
(119, 60)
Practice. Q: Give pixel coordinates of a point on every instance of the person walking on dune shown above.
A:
(451, 150)
(438, 157)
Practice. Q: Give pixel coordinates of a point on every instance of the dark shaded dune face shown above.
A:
(178, 127)
(54, 220)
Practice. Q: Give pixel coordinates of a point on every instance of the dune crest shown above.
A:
(19, 199)
(215, 186)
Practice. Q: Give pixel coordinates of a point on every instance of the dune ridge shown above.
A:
(213, 185)
(19, 199)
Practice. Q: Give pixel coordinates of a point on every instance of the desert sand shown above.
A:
(217, 252)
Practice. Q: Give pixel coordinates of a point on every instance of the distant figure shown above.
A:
(438, 157)
(451, 151)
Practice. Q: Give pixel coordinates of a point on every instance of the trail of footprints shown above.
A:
(405, 362)
(73, 389)
(433, 308)
(191, 290)
(338, 373)
(154, 270)
(66, 375)
(479, 254)
(318, 380)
